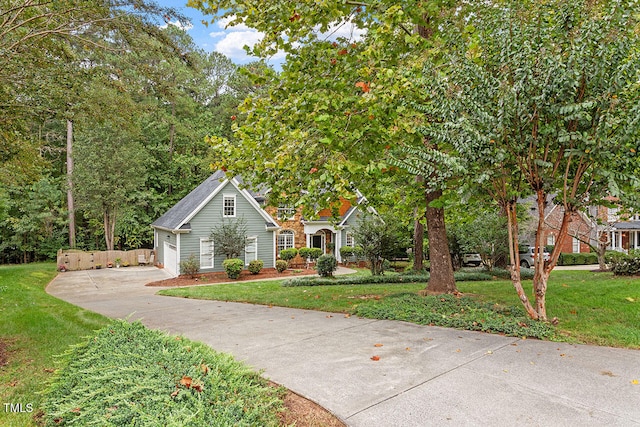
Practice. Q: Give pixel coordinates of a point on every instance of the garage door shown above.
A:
(171, 258)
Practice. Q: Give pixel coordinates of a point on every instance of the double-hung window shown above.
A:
(285, 240)
(229, 206)
(206, 253)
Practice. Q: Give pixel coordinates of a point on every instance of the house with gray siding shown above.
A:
(185, 229)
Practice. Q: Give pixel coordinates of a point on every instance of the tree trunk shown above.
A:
(172, 136)
(109, 227)
(418, 245)
(514, 257)
(418, 235)
(70, 201)
(441, 278)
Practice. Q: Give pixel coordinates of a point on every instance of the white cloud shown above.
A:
(232, 45)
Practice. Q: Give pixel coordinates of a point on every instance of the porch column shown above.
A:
(338, 245)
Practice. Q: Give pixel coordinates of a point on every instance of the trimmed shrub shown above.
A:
(288, 254)
(626, 267)
(255, 266)
(315, 253)
(129, 375)
(281, 265)
(233, 267)
(347, 251)
(305, 253)
(326, 265)
(190, 267)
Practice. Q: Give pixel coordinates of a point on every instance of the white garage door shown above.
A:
(171, 258)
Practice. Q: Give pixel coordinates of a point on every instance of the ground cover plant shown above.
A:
(594, 308)
(159, 380)
(35, 327)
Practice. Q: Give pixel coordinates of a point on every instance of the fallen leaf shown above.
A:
(197, 387)
(364, 86)
(175, 393)
(378, 345)
(458, 351)
(375, 358)
(634, 382)
(49, 370)
(76, 410)
(408, 348)
(630, 299)
(205, 368)
(186, 381)
(562, 355)
(329, 316)
(347, 315)
(608, 373)
(489, 352)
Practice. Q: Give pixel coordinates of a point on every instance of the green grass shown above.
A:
(37, 327)
(593, 308)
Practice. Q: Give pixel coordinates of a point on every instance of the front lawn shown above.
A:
(594, 308)
(35, 327)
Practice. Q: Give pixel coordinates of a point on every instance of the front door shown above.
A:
(317, 241)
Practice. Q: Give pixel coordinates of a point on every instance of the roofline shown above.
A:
(176, 231)
(252, 201)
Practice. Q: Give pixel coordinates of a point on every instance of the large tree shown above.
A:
(341, 108)
(547, 99)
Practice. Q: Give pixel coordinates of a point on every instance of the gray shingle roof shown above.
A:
(176, 216)
(627, 225)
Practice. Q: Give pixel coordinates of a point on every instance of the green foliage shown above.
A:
(315, 253)
(129, 375)
(378, 240)
(233, 267)
(191, 266)
(629, 266)
(457, 312)
(281, 265)
(38, 334)
(409, 277)
(255, 266)
(230, 237)
(304, 252)
(567, 258)
(288, 254)
(326, 265)
(351, 252)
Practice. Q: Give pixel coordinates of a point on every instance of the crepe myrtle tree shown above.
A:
(547, 95)
(230, 237)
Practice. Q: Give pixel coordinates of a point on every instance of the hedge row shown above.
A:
(577, 259)
(460, 276)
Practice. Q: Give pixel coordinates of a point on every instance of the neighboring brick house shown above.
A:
(185, 229)
(581, 228)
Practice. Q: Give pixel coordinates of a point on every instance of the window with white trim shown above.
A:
(350, 241)
(206, 253)
(229, 206)
(576, 245)
(251, 250)
(286, 212)
(285, 240)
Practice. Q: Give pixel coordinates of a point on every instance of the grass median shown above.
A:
(592, 308)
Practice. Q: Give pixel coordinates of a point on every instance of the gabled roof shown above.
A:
(177, 218)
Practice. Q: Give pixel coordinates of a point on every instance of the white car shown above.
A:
(526, 258)
(471, 260)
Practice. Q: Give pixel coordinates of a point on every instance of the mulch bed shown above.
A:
(221, 277)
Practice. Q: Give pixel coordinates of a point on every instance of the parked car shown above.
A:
(473, 260)
(526, 257)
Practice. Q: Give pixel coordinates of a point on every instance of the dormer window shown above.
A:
(229, 206)
(286, 213)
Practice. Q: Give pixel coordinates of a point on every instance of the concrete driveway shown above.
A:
(425, 376)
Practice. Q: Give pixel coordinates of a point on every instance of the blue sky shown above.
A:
(215, 37)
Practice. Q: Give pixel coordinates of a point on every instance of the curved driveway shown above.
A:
(424, 376)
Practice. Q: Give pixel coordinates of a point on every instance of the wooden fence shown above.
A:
(78, 260)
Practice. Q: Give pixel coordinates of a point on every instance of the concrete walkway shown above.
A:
(424, 376)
